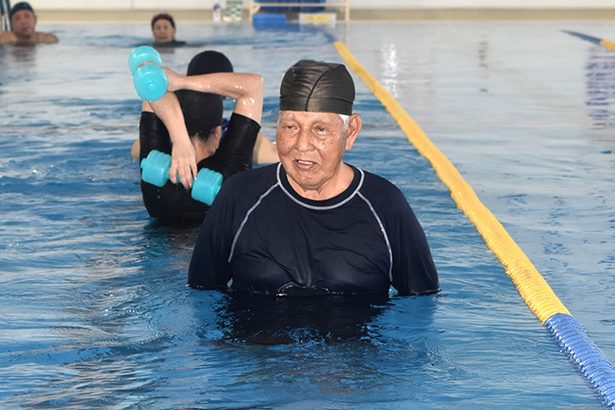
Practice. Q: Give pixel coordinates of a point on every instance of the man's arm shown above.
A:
(46, 38)
(209, 269)
(7, 37)
(414, 272)
(183, 162)
(245, 88)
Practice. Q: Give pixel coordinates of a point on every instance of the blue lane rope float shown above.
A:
(589, 359)
(538, 295)
(610, 45)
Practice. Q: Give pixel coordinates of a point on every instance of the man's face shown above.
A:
(163, 31)
(23, 23)
(311, 146)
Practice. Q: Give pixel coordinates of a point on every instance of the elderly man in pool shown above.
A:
(313, 225)
(23, 24)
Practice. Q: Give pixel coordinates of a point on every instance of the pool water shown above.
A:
(96, 312)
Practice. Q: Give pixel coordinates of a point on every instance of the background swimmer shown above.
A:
(23, 27)
(163, 30)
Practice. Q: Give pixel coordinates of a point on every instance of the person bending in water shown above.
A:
(186, 123)
(23, 27)
(204, 63)
(312, 224)
(163, 30)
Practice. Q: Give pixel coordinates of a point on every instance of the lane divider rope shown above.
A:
(538, 295)
(608, 44)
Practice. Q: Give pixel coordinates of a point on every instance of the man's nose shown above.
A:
(304, 141)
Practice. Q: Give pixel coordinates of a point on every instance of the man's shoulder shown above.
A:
(7, 37)
(256, 179)
(379, 184)
(45, 37)
(243, 189)
(383, 194)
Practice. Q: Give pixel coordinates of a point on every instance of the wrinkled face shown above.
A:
(23, 23)
(311, 146)
(163, 31)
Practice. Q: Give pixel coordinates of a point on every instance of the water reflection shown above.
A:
(269, 320)
(18, 58)
(18, 50)
(289, 349)
(390, 67)
(483, 65)
(266, 320)
(600, 83)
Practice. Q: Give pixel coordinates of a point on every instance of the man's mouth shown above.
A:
(304, 164)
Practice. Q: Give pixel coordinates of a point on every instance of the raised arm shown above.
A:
(183, 156)
(245, 88)
(414, 272)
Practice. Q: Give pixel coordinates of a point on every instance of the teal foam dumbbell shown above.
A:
(155, 171)
(149, 79)
(155, 168)
(206, 186)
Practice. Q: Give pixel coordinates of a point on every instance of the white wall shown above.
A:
(354, 4)
(121, 4)
(489, 4)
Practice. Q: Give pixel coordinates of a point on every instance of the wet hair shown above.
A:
(163, 16)
(317, 86)
(22, 5)
(203, 111)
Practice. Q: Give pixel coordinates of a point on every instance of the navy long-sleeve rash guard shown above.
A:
(262, 237)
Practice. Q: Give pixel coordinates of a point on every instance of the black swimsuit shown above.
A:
(174, 43)
(172, 202)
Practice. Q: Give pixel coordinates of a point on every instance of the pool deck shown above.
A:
(122, 16)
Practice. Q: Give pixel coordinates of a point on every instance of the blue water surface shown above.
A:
(95, 308)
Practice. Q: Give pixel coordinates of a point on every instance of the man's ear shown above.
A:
(354, 126)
